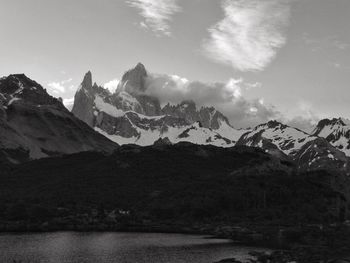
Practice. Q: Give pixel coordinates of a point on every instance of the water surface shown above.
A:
(73, 247)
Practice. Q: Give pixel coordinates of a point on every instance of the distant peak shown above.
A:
(19, 75)
(274, 123)
(13, 82)
(327, 122)
(88, 75)
(133, 79)
(140, 66)
(87, 81)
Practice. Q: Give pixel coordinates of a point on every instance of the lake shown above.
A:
(109, 247)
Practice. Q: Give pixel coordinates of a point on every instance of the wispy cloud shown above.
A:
(249, 35)
(157, 14)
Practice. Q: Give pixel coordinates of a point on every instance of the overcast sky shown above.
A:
(272, 57)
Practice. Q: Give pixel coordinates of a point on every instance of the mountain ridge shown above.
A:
(35, 125)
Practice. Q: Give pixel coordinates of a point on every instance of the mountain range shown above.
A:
(35, 125)
(131, 116)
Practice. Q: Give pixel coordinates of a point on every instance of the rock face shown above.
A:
(83, 108)
(131, 116)
(34, 125)
(209, 117)
(132, 87)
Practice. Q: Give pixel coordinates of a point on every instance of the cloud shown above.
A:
(249, 35)
(157, 14)
(302, 116)
(306, 124)
(111, 85)
(58, 87)
(68, 103)
(225, 97)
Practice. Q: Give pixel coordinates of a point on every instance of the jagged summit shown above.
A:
(87, 81)
(287, 139)
(328, 122)
(11, 83)
(336, 131)
(133, 80)
(17, 88)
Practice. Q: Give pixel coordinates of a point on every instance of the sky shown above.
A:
(254, 60)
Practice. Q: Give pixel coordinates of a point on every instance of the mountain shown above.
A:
(276, 136)
(307, 152)
(35, 125)
(336, 132)
(131, 116)
(319, 154)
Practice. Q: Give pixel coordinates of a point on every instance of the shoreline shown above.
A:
(238, 235)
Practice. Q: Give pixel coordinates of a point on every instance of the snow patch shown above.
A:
(108, 108)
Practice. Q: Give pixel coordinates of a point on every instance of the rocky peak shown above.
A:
(18, 87)
(133, 81)
(274, 124)
(16, 83)
(328, 123)
(87, 81)
(84, 100)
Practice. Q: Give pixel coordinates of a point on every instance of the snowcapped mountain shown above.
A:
(34, 125)
(275, 135)
(336, 132)
(308, 152)
(130, 116)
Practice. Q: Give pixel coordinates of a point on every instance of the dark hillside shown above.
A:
(182, 182)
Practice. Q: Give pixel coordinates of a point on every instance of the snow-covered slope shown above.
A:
(336, 132)
(275, 134)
